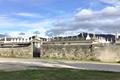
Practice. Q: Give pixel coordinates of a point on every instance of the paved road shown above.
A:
(11, 64)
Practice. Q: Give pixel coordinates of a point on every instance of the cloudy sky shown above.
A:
(59, 17)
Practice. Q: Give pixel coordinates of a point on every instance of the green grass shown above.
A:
(58, 74)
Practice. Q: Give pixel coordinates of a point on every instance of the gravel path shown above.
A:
(13, 64)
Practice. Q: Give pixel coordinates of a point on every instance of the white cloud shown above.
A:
(31, 15)
(110, 11)
(106, 20)
(14, 26)
(113, 2)
(84, 12)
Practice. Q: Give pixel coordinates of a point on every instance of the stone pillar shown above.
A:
(88, 37)
(24, 40)
(14, 40)
(116, 37)
(20, 39)
(11, 40)
(17, 40)
(28, 40)
(5, 41)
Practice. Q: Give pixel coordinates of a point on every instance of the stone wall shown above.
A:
(16, 52)
(109, 53)
(74, 52)
(105, 53)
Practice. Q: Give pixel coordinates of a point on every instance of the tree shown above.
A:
(22, 34)
(36, 33)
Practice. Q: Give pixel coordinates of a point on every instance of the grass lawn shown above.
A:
(58, 74)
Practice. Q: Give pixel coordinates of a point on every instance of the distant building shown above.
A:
(82, 37)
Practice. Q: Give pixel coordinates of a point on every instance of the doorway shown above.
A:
(36, 50)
